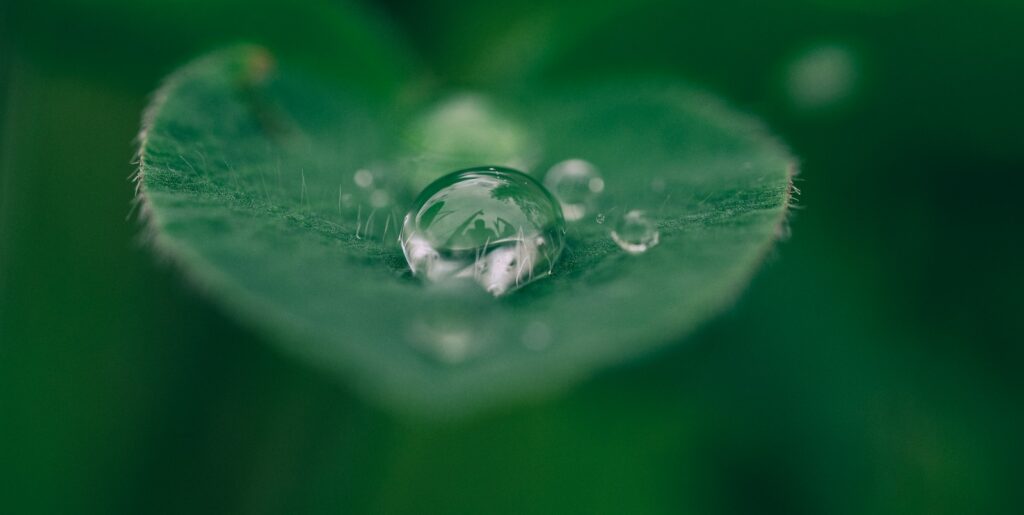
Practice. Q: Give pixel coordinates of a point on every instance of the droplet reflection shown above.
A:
(495, 226)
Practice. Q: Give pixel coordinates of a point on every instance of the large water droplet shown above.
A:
(577, 184)
(635, 232)
(495, 226)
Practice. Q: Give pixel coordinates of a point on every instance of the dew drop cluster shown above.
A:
(502, 229)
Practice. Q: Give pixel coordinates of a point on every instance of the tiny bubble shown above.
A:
(822, 77)
(363, 178)
(635, 232)
(576, 183)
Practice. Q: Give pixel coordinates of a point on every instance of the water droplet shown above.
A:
(363, 178)
(495, 226)
(635, 232)
(577, 184)
(822, 77)
(600, 218)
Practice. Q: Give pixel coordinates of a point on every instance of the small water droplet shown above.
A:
(576, 183)
(635, 232)
(495, 226)
(822, 77)
(363, 178)
(600, 218)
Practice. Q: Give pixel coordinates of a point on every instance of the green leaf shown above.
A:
(244, 172)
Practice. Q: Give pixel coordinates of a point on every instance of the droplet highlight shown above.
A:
(822, 77)
(577, 184)
(495, 226)
(635, 232)
(363, 178)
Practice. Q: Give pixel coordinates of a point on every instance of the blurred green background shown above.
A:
(873, 366)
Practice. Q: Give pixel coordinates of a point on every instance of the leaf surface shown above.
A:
(246, 180)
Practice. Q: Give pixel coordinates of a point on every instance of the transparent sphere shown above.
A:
(577, 184)
(635, 232)
(495, 226)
